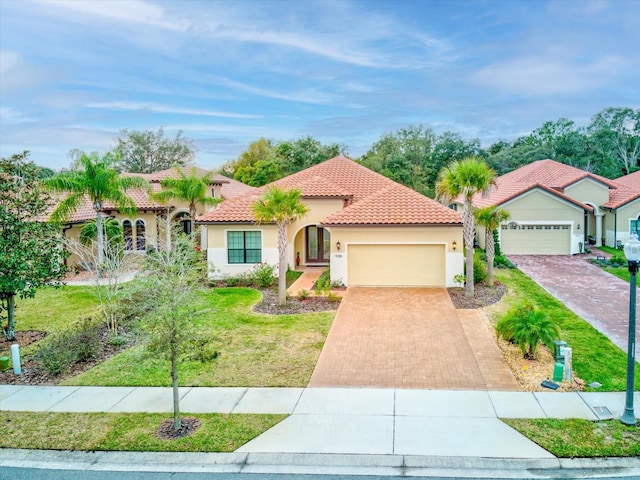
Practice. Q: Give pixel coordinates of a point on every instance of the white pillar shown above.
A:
(598, 229)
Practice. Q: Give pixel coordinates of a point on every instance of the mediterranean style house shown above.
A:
(370, 230)
(147, 227)
(557, 209)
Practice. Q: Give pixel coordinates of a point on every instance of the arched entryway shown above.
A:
(185, 222)
(593, 226)
(312, 246)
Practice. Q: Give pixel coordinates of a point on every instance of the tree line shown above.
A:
(609, 146)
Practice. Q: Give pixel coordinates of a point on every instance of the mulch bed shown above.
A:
(312, 304)
(187, 427)
(483, 296)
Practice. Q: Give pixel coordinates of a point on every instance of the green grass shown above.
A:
(620, 272)
(611, 250)
(254, 349)
(53, 309)
(127, 431)
(581, 438)
(595, 357)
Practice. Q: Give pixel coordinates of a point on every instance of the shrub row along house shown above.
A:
(557, 209)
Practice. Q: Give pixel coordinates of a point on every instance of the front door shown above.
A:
(318, 245)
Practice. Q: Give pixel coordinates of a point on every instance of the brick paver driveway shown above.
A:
(409, 338)
(595, 295)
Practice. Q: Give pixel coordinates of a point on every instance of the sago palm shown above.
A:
(466, 177)
(280, 207)
(98, 180)
(490, 218)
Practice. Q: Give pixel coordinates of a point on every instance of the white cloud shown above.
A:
(156, 108)
(541, 75)
(10, 115)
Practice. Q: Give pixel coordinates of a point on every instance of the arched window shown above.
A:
(185, 222)
(141, 242)
(127, 231)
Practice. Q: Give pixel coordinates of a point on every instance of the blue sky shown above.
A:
(73, 73)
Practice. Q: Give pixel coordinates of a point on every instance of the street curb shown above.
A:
(342, 464)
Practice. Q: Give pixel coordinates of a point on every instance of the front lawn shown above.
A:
(595, 357)
(127, 431)
(621, 272)
(581, 438)
(253, 349)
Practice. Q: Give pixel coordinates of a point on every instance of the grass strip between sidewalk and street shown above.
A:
(580, 438)
(595, 357)
(127, 431)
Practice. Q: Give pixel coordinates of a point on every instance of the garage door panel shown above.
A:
(536, 240)
(396, 265)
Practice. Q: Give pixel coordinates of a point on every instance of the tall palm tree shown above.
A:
(280, 207)
(97, 179)
(490, 218)
(466, 177)
(191, 188)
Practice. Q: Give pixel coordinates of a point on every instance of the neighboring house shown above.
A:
(147, 226)
(370, 230)
(623, 210)
(558, 209)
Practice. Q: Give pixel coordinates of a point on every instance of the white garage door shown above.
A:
(536, 239)
(396, 265)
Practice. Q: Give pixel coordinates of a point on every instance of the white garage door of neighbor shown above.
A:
(536, 239)
(396, 265)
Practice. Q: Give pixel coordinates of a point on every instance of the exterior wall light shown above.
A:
(454, 245)
(338, 245)
(632, 252)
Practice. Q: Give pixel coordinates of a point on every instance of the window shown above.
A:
(244, 247)
(141, 243)
(634, 226)
(127, 230)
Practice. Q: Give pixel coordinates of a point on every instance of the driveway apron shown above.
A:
(595, 295)
(409, 338)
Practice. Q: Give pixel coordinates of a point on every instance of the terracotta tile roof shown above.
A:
(632, 180)
(547, 175)
(230, 188)
(394, 205)
(385, 201)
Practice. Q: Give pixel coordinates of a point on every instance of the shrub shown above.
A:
(303, 294)
(479, 270)
(323, 283)
(500, 261)
(262, 275)
(618, 261)
(527, 328)
(333, 297)
(77, 344)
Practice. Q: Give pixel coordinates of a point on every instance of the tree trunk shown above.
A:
(100, 228)
(11, 318)
(168, 231)
(468, 228)
(489, 250)
(177, 422)
(282, 264)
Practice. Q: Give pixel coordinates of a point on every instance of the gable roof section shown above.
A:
(395, 205)
(384, 201)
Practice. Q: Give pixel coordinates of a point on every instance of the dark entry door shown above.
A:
(318, 245)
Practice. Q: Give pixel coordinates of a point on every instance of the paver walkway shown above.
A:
(409, 338)
(306, 281)
(595, 295)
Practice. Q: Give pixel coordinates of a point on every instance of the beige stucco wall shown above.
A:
(624, 214)
(588, 191)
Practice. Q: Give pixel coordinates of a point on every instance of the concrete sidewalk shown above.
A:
(348, 421)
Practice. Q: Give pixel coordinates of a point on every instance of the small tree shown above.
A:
(148, 151)
(466, 177)
(31, 251)
(280, 207)
(169, 287)
(491, 218)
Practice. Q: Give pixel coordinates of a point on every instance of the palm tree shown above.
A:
(466, 177)
(280, 207)
(490, 218)
(111, 227)
(97, 179)
(190, 188)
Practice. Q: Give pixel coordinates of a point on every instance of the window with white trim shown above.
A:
(634, 226)
(244, 247)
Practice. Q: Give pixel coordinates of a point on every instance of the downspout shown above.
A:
(615, 229)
